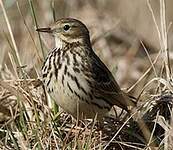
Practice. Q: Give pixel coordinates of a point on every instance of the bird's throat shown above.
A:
(58, 43)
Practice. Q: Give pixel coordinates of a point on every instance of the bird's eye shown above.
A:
(66, 27)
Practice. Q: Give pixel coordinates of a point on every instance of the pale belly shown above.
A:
(77, 107)
(72, 104)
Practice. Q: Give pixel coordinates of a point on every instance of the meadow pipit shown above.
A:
(74, 75)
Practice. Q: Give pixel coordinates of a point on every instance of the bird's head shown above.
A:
(67, 30)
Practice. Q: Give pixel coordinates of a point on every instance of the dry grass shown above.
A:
(29, 119)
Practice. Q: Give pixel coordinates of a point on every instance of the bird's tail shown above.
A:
(130, 101)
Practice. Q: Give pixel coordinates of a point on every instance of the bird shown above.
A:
(75, 77)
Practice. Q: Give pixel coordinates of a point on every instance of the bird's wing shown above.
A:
(103, 77)
(105, 85)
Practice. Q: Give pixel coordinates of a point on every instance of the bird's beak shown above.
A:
(48, 30)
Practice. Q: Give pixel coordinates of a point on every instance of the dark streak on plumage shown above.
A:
(64, 51)
(78, 85)
(50, 78)
(56, 73)
(68, 59)
(104, 99)
(85, 68)
(58, 60)
(90, 96)
(44, 67)
(59, 66)
(81, 98)
(76, 70)
(89, 83)
(65, 70)
(78, 53)
(69, 87)
(77, 94)
(76, 81)
(44, 75)
(50, 90)
(75, 63)
(58, 51)
(63, 80)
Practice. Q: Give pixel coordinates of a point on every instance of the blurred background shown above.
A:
(119, 32)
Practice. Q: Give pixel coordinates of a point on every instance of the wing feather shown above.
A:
(104, 83)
